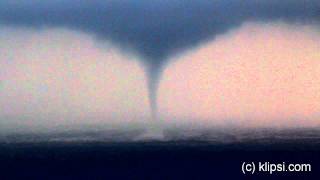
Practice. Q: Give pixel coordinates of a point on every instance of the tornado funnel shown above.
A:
(155, 29)
(153, 73)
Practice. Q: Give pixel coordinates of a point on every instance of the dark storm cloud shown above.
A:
(155, 29)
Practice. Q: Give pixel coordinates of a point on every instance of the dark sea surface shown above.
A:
(119, 155)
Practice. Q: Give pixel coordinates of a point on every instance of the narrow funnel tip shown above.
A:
(153, 75)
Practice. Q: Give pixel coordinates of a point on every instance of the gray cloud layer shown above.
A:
(155, 29)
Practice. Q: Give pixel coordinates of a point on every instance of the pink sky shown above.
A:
(257, 75)
(58, 77)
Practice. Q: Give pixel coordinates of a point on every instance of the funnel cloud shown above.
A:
(155, 29)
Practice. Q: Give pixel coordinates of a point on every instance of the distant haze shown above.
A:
(61, 77)
(155, 30)
(259, 75)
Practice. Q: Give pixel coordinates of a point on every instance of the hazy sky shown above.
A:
(244, 63)
(155, 29)
(257, 75)
(59, 76)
